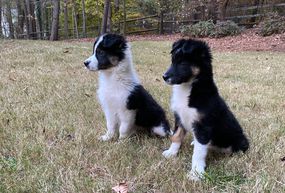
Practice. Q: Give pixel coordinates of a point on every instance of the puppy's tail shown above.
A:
(166, 127)
(162, 130)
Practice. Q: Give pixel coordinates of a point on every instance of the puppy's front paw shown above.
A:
(195, 175)
(106, 137)
(169, 153)
(123, 136)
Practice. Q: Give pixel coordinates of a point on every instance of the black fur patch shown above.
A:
(148, 112)
(218, 124)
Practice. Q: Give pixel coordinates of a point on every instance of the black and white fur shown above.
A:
(124, 100)
(198, 107)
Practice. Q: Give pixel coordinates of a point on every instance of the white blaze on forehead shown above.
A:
(98, 42)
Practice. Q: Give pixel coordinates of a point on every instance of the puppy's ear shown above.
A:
(176, 46)
(113, 41)
(198, 49)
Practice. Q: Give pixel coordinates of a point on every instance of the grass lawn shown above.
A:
(50, 121)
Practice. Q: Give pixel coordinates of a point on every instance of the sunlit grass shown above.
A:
(50, 121)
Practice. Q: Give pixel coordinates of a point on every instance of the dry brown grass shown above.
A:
(50, 121)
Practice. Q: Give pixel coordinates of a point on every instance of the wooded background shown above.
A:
(64, 19)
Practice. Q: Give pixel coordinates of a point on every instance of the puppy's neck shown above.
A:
(123, 73)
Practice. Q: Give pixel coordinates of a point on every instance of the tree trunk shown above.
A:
(109, 21)
(222, 9)
(26, 20)
(20, 18)
(105, 16)
(117, 5)
(39, 19)
(255, 11)
(75, 19)
(9, 19)
(45, 23)
(1, 34)
(55, 21)
(212, 10)
(125, 17)
(83, 19)
(161, 23)
(97, 15)
(30, 14)
(65, 20)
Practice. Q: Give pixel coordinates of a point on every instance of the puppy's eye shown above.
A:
(100, 52)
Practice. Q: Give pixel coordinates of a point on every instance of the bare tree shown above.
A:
(105, 16)
(30, 16)
(9, 18)
(258, 4)
(39, 18)
(223, 4)
(74, 18)
(83, 19)
(125, 17)
(97, 14)
(46, 19)
(1, 34)
(65, 19)
(55, 20)
(26, 19)
(20, 18)
(117, 5)
(109, 20)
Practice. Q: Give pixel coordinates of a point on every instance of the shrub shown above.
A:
(272, 24)
(226, 28)
(209, 29)
(200, 29)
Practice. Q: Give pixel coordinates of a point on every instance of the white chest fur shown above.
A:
(113, 93)
(179, 104)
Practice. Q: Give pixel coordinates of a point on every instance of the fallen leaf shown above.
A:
(12, 77)
(70, 137)
(121, 188)
(88, 95)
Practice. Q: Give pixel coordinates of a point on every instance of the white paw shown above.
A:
(196, 175)
(124, 136)
(168, 153)
(105, 137)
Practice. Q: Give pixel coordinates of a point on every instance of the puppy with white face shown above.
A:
(124, 100)
(198, 107)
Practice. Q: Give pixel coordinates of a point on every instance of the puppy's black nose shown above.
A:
(86, 63)
(165, 77)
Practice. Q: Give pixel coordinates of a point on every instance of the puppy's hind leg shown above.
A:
(111, 126)
(127, 123)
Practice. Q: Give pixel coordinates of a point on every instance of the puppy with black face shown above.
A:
(198, 107)
(124, 100)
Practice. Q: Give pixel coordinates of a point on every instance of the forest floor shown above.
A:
(50, 121)
(249, 40)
